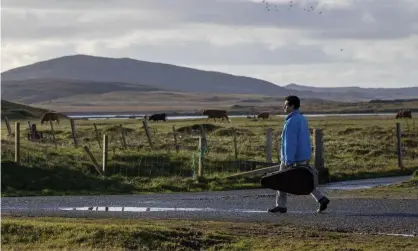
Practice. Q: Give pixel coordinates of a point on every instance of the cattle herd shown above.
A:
(211, 113)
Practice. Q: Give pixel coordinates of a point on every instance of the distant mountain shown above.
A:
(82, 78)
(360, 93)
(158, 75)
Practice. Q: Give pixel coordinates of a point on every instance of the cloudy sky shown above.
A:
(339, 43)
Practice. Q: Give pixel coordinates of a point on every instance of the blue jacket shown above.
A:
(296, 142)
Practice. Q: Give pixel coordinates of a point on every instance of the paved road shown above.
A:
(359, 215)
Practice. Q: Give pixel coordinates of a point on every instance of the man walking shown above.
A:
(296, 149)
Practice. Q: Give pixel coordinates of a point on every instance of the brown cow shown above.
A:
(50, 116)
(216, 114)
(404, 114)
(263, 115)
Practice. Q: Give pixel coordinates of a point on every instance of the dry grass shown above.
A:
(121, 234)
(166, 101)
(355, 147)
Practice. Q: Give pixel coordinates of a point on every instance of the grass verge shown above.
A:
(123, 234)
(404, 190)
(355, 148)
(17, 180)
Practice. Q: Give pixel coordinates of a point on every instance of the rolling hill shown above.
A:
(13, 110)
(90, 83)
(158, 75)
(44, 90)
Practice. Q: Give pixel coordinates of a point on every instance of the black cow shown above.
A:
(158, 116)
(216, 114)
(263, 115)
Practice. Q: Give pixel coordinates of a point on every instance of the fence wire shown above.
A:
(175, 151)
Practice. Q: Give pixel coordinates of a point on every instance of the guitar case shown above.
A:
(297, 180)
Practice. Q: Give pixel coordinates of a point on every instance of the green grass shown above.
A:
(31, 181)
(355, 147)
(123, 234)
(404, 190)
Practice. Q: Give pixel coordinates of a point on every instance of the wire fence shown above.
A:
(175, 152)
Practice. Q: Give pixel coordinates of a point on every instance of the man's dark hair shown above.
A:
(293, 100)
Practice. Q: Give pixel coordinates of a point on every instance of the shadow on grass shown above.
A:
(18, 180)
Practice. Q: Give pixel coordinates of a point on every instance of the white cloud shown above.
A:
(86, 47)
(335, 43)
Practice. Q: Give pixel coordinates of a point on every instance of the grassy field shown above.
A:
(194, 103)
(172, 102)
(355, 147)
(123, 234)
(404, 190)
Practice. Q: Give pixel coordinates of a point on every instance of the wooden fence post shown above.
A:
(319, 149)
(145, 124)
(105, 146)
(53, 134)
(123, 136)
(278, 150)
(268, 145)
(9, 129)
(95, 164)
(200, 167)
(73, 132)
(323, 173)
(175, 139)
(399, 145)
(203, 135)
(235, 143)
(30, 130)
(97, 135)
(17, 142)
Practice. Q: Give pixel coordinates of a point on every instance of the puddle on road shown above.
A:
(166, 209)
